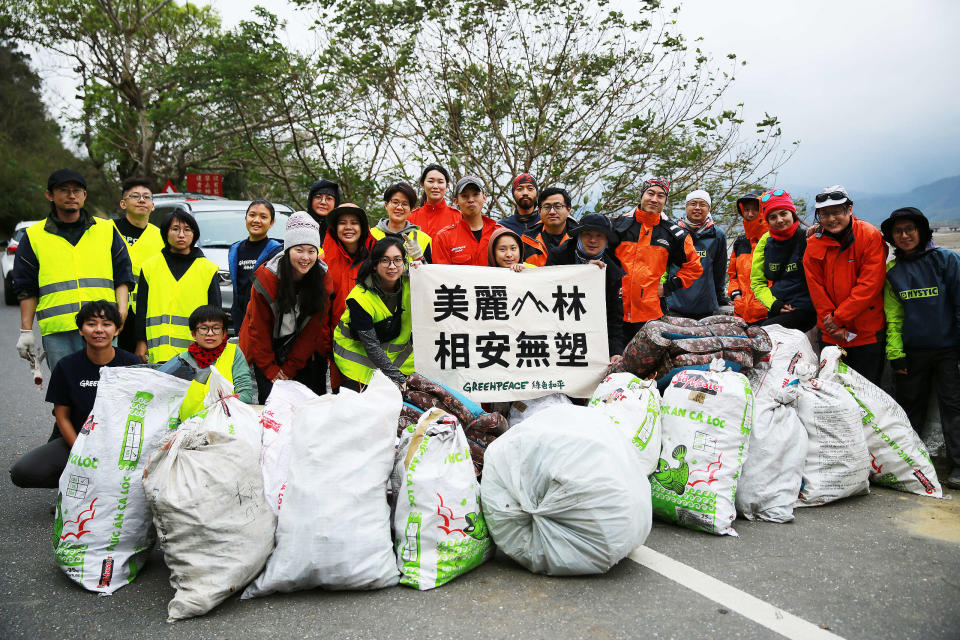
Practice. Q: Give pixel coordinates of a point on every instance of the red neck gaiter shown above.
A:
(205, 357)
(786, 234)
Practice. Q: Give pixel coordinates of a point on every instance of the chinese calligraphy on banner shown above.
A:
(500, 335)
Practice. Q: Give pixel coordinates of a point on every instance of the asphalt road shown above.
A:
(886, 565)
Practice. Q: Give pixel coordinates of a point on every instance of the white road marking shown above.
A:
(750, 607)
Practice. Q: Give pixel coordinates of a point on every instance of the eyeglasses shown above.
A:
(210, 331)
(553, 207)
(403, 204)
(769, 194)
(324, 197)
(187, 231)
(833, 195)
(905, 231)
(386, 262)
(69, 191)
(140, 196)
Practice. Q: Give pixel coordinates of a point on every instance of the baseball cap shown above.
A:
(832, 196)
(468, 180)
(62, 176)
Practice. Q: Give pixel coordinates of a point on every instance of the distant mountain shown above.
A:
(938, 200)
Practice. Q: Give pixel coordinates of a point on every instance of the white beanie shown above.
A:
(699, 193)
(301, 229)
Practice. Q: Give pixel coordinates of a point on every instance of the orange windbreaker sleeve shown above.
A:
(869, 284)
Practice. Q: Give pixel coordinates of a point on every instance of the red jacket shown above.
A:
(257, 332)
(457, 245)
(431, 218)
(341, 274)
(741, 262)
(847, 280)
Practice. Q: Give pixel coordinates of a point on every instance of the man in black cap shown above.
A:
(921, 300)
(63, 261)
(525, 215)
(323, 197)
(592, 242)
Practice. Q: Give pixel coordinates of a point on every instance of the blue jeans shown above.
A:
(58, 345)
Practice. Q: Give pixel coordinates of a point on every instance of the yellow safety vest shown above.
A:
(171, 302)
(147, 245)
(419, 236)
(197, 391)
(71, 275)
(349, 354)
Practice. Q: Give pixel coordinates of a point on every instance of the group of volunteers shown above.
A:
(332, 300)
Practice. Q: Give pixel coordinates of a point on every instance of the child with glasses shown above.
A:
(208, 326)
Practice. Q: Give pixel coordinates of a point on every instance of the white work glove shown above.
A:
(414, 252)
(26, 344)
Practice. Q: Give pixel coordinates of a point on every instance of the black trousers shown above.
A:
(801, 319)
(630, 329)
(42, 467)
(933, 369)
(867, 360)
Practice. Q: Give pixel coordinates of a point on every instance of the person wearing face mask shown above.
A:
(525, 215)
(285, 323)
(323, 197)
(171, 285)
(398, 200)
(592, 242)
(434, 213)
(777, 277)
(745, 304)
(706, 294)
(375, 329)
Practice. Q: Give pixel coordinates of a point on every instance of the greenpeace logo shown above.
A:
(929, 292)
(88, 383)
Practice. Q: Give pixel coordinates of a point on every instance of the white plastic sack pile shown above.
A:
(334, 528)
(899, 459)
(277, 436)
(102, 530)
(837, 463)
(563, 495)
(634, 405)
(439, 529)
(520, 410)
(707, 417)
(213, 523)
(773, 472)
(790, 347)
(224, 412)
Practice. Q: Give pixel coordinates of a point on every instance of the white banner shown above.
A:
(499, 335)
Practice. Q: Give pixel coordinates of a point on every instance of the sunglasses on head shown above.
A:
(769, 194)
(833, 195)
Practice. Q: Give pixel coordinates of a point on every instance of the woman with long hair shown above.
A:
(284, 325)
(434, 213)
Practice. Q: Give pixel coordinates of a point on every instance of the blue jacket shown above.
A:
(707, 292)
(240, 299)
(518, 226)
(921, 299)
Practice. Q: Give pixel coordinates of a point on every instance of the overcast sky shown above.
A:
(870, 88)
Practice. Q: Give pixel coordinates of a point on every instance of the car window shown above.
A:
(223, 228)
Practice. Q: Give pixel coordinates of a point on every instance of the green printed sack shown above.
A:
(102, 529)
(439, 529)
(706, 417)
(633, 405)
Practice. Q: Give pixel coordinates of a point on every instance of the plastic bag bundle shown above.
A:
(707, 417)
(439, 529)
(562, 495)
(224, 412)
(634, 405)
(788, 348)
(213, 522)
(276, 421)
(102, 530)
(773, 472)
(838, 463)
(520, 410)
(334, 528)
(899, 459)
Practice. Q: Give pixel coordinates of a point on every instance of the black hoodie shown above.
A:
(315, 188)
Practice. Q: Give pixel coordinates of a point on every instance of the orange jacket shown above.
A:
(341, 274)
(647, 245)
(741, 261)
(536, 247)
(847, 280)
(431, 218)
(457, 245)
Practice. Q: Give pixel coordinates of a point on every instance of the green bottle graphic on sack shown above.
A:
(133, 432)
(410, 554)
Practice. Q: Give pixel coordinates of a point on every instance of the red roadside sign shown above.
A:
(169, 188)
(209, 183)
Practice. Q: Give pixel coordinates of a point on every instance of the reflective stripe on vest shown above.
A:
(71, 275)
(171, 302)
(147, 245)
(197, 391)
(349, 353)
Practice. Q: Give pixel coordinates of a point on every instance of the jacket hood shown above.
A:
(501, 231)
(323, 185)
(754, 229)
(647, 218)
(382, 226)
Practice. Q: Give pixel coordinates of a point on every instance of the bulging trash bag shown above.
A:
(439, 529)
(707, 417)
(102, 531)
(333, 530)
(563, 494)
(773, 471)
(213, 522)
(898, 457)
(634, 405)
(224, 412)
(520, 410)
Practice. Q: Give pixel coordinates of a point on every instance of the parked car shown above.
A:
(6, 260)
(222, 222)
